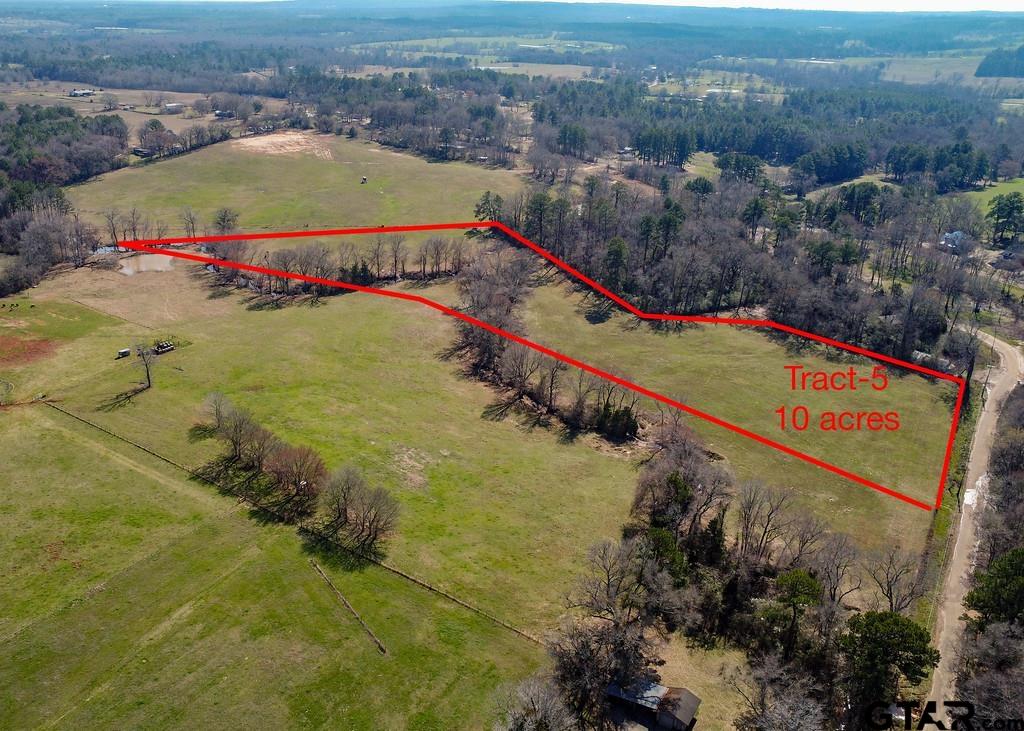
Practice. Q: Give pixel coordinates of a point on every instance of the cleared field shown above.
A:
(492, 44)
(128, 588)
(553, 70)
(136, 587)
(984, 197)
(487, 511)
(739, 375)
(292, 180)
(952, 69)
(54, 93)
(201, 601)
(877, 178)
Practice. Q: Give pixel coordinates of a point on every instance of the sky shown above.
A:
(860, 5)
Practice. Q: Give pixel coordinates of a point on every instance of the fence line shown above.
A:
(310, 530)
(365, 626)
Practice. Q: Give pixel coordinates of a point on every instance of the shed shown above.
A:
(666, 707)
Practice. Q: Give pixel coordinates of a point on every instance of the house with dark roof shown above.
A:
(658, 706)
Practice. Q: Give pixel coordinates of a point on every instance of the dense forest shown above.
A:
(828, 135)
(1002, 62)
(839, 265)
(42, 149)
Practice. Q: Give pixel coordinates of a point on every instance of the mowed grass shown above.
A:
(294, 180)
(984, 197)
(499, 512)
(134, 597)
(739, 375)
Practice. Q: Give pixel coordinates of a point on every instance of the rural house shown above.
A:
(658, 706)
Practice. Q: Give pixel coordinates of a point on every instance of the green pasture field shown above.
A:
(488, 513)
(135, 597)
(985, 196)
(131, 587)
(135, 587)
(739, 375)
(295, 180)
(877, 178)
(702, 164)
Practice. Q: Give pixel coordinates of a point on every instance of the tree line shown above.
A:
(293, 483)
(386, 259)
(991, 667)
(1002, 62)
(493, 289)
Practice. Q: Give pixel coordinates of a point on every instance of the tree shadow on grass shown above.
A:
(332, 555)
(499, 409)
(259, 303)
(121, 400)
(568, 434)
(201, 432)
(598, 311)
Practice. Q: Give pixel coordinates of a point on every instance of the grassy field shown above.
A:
(292, 180)
(877, 178)
(739, 375)
(419, 430)
(984, 197)
(553, 70)
(129, 589)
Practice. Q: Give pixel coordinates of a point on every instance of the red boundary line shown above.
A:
(147, 245)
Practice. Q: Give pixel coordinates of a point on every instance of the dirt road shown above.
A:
(948, 627)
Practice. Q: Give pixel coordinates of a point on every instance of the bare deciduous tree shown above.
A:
(612, 589)
(146, 359)
(189, 221)
(895, 573)
(297, 473)
(777, 699)
(534, 705)
(356, 513)
(763, 519)
(398, 252)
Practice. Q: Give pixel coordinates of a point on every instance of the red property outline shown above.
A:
(147, 245)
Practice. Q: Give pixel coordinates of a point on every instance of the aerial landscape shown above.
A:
(527, 366)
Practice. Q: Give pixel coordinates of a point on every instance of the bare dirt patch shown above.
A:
(286, 143)
(151, 299)
(17, 351)
(412, 463)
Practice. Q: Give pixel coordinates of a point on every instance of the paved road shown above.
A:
(948, 627)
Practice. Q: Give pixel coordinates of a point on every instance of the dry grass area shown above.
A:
(286, 143)
(553, 70)
(705, 673)
(152, 299)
